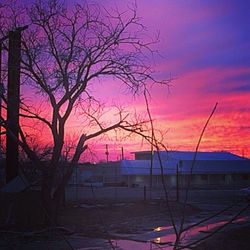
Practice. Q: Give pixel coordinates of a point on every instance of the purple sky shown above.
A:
(204, 46)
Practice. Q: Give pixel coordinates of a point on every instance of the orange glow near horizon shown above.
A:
(181, 112)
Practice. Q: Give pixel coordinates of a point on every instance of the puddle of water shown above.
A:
(208, 227)
(242, 219)
(164, 241)
(167, 239)
(195, 231)
(130, 244)
(159, 229)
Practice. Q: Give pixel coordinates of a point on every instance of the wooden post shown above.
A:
(177, 182)
(13, 102)
(151, 172)
(145, 193)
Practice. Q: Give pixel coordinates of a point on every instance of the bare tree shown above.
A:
(63, 52)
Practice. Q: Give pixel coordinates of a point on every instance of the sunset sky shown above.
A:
(205, 48)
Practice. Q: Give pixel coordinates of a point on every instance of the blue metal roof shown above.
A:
(205, 156)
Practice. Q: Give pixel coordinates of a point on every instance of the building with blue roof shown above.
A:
(204, 169)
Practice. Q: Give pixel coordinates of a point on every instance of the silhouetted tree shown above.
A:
(64, 50)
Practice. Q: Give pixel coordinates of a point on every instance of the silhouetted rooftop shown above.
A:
(189, 155)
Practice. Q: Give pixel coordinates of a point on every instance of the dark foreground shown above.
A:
(234, 239)
(105, 219)
(93, 225)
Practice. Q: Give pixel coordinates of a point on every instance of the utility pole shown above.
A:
(122, 154)
(13, 103)
(107, 153)
(177, 182)
(151, 169)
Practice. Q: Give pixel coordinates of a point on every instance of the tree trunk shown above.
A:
(47, 201)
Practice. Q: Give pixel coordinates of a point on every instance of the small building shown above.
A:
(204, 169)
(100, 174)
(201, 169)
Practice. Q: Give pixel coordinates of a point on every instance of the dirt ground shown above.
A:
(234, 239)
(107, 219)
(99, 220)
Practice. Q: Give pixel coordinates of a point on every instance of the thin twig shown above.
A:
(161, 165)
(190, 177)
(216, 230)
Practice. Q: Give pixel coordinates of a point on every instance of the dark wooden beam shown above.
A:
(13, 103)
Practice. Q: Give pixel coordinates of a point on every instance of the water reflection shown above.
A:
(134, 245)
(166, 239)
(194, 232)
(159, 229)
(165, 236)
(157, 240)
